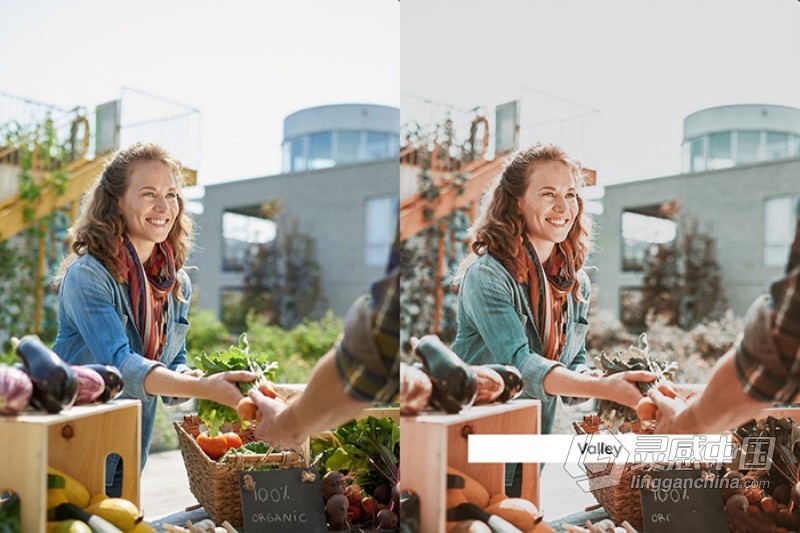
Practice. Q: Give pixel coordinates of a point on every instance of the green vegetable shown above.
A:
(9, 512)
(237, 357)
(368, 449)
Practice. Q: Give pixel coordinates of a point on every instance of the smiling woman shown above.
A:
(123, 295)
(523, 297)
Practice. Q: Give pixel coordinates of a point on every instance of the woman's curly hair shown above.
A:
(100, 225)
(500, 224)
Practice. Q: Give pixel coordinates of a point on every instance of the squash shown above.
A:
(76, 493)
(522, 513)
(474, 491)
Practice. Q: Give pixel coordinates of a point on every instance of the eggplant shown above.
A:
(15, 390)
(512, 378)
(55, 386)
(112, 379)
(454, 384)
(90, 384)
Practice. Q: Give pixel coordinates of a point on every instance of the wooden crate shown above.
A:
(431, 443)
(77, 442)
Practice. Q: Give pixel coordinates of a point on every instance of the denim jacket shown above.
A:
(495, 325)
(95, 325)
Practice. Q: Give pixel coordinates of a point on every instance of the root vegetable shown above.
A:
(388, 519)
(646, 409)
(336, 508)
(246, 409)
(383, 494)
(332, 484)
(369, 505)
(737, 502)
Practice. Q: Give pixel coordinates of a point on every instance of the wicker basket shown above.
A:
(216, 484)
(623, 500)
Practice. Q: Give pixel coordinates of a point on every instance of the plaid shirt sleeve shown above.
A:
(368, 354)
(768, 354)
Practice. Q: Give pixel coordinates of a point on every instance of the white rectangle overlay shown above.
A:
(599, 447)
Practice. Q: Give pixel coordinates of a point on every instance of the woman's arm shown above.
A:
(220, 388)
(487, 300)
(87, 297)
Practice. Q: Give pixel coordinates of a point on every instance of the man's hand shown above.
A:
(272, 424)
(669, 413)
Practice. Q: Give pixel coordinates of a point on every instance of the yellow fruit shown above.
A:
(97, 498)
(120, 512)
(71, 526)
(56, 497)
(143, 527)
(76, 493)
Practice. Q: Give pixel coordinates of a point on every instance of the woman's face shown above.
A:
(149, 205)
(549, 205)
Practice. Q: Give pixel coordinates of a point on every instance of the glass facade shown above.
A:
(328, 148)
(728, 148)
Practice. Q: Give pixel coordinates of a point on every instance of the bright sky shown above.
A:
(625, 73)
(244, 64)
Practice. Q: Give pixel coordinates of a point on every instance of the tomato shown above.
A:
(232, 439)
(214, 447)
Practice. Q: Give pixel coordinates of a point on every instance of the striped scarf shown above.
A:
(548, 300)
(148, 287)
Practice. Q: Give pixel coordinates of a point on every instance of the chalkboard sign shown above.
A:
(680, 501)
(286, 500)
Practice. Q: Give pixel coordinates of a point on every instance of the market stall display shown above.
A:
(69, 421)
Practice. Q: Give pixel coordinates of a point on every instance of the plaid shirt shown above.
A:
(368, 354)
(768, 354)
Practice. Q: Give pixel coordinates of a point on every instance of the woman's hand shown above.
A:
(222, 387)
(621, 387)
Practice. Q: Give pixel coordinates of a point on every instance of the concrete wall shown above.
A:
(329, 204)
(727, 203)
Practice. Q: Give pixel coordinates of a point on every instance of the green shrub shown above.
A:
(296, 350)
(206, 334)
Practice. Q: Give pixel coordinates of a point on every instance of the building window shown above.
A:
(720, 151)
(321, 152)
(777, 145)
(239, 233)
(780, 220)
(698, 155)
(299, 154)
(381, 226)
(347, 146)
(643, 228)
(747, 146)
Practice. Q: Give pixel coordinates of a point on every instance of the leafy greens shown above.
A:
(237, 357)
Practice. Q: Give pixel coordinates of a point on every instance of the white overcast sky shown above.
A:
(244, 64)
(625, 73)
